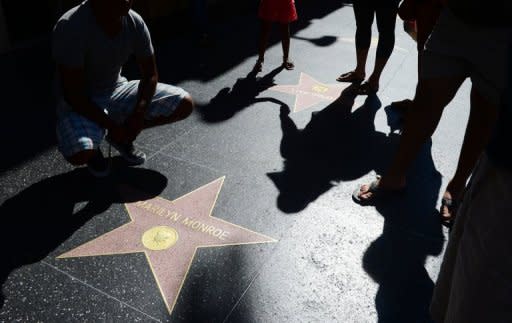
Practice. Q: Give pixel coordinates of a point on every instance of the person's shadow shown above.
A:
(230, 101)
(40, 218)
(336, 145)
(412, 232)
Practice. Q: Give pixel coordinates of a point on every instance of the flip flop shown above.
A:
(258, 66)
(452, 205)
(377, 193)
(366, 89)
(288, 65)
(350, 77)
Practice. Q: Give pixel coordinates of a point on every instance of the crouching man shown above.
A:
(91, 42)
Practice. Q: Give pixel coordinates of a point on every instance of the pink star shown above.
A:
(169, 233)
(310, 92)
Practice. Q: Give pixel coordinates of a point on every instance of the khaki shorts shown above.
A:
(458, 49)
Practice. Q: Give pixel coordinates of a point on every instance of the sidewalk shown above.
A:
(243, 212)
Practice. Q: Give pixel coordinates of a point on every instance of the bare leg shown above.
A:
(386, 20)
(285, 41)
(265, 28)
(432, 96)
(364, 14)
(482, 118)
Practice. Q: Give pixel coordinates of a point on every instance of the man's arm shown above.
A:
(146, 91)
(73, 88)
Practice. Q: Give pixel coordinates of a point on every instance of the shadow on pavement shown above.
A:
(230, 101)
(412, 232)
(40, 218)
(336, 145)
(233, 38)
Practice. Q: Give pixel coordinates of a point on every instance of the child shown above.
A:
(282, 12)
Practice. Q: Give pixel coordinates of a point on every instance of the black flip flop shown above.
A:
(377, 193)
(349, 77)
(452, 205)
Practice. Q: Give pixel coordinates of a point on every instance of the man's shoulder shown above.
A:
(74, 17)
(135, 19)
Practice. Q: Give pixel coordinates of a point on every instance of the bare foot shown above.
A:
(258, 66)
(287, 64)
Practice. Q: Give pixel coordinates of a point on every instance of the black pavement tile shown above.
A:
(42, 293)
(214, 274)
(288, 176)
(343, 266)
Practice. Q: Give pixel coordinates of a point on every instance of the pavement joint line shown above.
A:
(100, 291)
(172, 142)
(190, 162)
(258, 272)
(399, 68)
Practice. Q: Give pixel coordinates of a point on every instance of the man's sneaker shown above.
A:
(98, 165)
(130, 154)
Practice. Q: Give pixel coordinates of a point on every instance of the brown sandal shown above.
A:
(287, 64)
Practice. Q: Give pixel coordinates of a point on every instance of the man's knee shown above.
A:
(185, 108)
(81, 157)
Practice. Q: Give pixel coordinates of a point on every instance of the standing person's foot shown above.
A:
(449, 206)
(368, 193)
(288, 64)
(351, 77)
(258, 67)
(98, 165)
(132, 155)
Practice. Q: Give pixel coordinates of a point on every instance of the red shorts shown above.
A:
(282, 11)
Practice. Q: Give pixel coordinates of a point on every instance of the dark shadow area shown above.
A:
(27, 73)
(28, 104)
(224, 269)
(339, 145)
(412, 231)
(336, 145)
(40, 218)
(323, 41)
(230, 101)
(233, 37)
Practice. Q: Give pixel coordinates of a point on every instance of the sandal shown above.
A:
(367, 89)
(287, 64)
(448, 210)
(377, 193)
(350, 77)
(258, 66)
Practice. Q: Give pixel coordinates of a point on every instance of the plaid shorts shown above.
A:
(76, 133)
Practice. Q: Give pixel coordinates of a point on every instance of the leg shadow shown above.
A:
(336, 145)
(40, 218)
(412, 232)
(230, 101)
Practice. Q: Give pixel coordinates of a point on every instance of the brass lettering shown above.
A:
(224, 235)
(205, 228)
